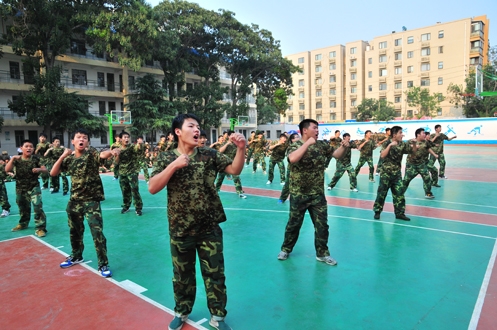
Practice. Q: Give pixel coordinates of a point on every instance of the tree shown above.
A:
(266, 112)
(376, 110)
(427, 104)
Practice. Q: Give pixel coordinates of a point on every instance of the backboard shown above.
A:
(119, 117)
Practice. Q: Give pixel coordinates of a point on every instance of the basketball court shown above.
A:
(434, 272)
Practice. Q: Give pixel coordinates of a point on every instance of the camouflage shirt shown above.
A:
(259, 145)
(250, 145)
(129, 159)
(3, 174)
(278, 153)
(421, 155)
(393, 161)
(86, 184)
(335, 142)
(41, 152)
(25, 178)
(367, 148)
(307, 175)
(115, 145)
(230, 151)
(162, 146)
(440, 141)
(193, 205)
(54, 155)
(346, 159)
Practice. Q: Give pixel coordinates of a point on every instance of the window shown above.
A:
(410, 84)
(440, 65)
(319, 117)
(353, 63)
(301, 95)
(101, 108)
(319, 68)
(103, 138)
(409, 113)
(383, 72)
(398, 85)
(301, 72)
(319, 105)
(426, 37)
(317, 57)
(383, 87)
(410, 69)
(439, 111)
(353, 115)
(290, 108)
(301, 117)
(333, 78)
(301, 106)
(189, 87)
(78, 77)
(78, 47)
(19, 136)
(425, 66)
(475, 61)
(370, 60)
(333, 91)
(383, 58)
(410, 54)
(398, 42)
(353, 103)
(440, 34)
(15, 72)
(370, 88)
(398, 70)
(410, 40)
(333, 54)
(290, 119)
(397, 99)
(440, 81)
(318, 81)
(398, 56)
(131, 83)
(333, 104)
(370, 74)
(440, 97)
(425, 82)
(333, 66)
(301, 83)
(425, 51)
(333, 116)
(353, 50)
(353, 76)
(300, 60)
(383, 45)
(112, 106)
(100, 79)
(319, 92)
(440, 49)
(476, 27)
(353, 90)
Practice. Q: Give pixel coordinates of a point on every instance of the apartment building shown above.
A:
(334, 80)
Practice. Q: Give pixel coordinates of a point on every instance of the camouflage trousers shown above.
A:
(441, 162)
(236, 181)
(339, 173)
(130, 190)
(286, 188)
(55, 182)
(433, 172)
(76, 214)
(362, 160)
(378, 166)
(144, 168)
(281, 167)
(392, 181)
(209, 247)
(249, 155)
(4, 197)
(24, 199)
(318, 210)
(116, 170)
(259, 158)
(44, 179)
(412, 171)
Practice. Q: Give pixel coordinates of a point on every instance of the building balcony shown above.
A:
(353, 96)
(353, 83)
(383, 51)
(425, 44)
(397, 77)
(6, 113)
(332, 97)
(397, 63)
(332, 85)
(332, 60)
(476, 35)
(397, 106)
(425, 74)
(397, 92)
(383, 79)
(425, 59)
(383, 65)
(383, 94)
(317, 63)
(353, 70)
(318, 75)
(397, 49)
(301, 89)
(475, 51)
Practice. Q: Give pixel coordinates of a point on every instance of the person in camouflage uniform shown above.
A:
(390, 175)
(4, 197)
(230, 150)
(250, 149)
(143, 160)
(438, 139)
(162, 144)
(115, 145)
(202, 139)
(259, 143)
(285, 192)
(383, 142)
(344, 164)
(416, 163)
(278, 150)
(366, 147)
(307, 160)
(27, 169)
(129, 167)
(336, 141)
(430, 166)
(41, 149)
(52, 155)
(194, 211)
(87, 192)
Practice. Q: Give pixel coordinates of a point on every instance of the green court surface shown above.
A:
(422, 274)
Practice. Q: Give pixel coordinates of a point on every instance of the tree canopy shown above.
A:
(375, 110)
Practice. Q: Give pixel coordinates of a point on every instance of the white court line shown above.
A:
(483, 291)
(150, 301)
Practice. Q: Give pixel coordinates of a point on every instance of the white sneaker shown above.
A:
(51, 189)
(328, 260)
(264, 173)
(253, 171)
(354, 190)
(269, 182)
(282, 183)
(283, 255)
(377, 174)
(4, 214)
(242, 196)
(329, 188)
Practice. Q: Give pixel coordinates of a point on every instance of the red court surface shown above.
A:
(73, 298)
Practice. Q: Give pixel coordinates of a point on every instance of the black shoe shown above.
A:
(377, 215)
(402, 217)
(124, 210)
(54, 191)
(436, 185)
(64, 193)
(139, 213)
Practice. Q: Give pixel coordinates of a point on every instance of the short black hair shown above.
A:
(283, 135)
(230, 132)
(80, 131)
(345, 135)
(202, 133)
(55, 138)
(26, 141)
(396, 129)
(162, 136)
(306, 123)
(43, 134)
(337, 131)
(123, 133)
(368, 131)
(387, 129)
(437, 126)
(179, 120)
(418, 131)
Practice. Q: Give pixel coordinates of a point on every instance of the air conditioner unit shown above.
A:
(415, 112)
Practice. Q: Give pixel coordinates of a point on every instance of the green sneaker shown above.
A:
(217, 322)
(177, 322)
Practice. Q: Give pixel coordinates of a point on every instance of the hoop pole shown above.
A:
(233, 123)
(111, 136)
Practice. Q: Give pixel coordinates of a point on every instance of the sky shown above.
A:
(304, 25)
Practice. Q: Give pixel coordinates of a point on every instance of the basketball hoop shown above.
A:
(121, 120)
